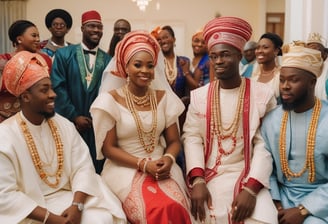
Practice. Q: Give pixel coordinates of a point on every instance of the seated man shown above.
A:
(295, 135)
(227, 165)
(46, 173)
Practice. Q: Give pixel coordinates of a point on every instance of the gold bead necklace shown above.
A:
(142, 101)
(36, 157)
(146, 137)
(265, 77)
(171, 71)
(310, 146)
(217, 129)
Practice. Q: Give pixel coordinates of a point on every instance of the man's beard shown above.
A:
(48, 115)
(297, 102)
(92, 43)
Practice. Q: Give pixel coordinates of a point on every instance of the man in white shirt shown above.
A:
(46, 173)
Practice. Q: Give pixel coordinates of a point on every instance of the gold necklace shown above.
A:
(50, 156)
(265, 77)
(216, 127)
(89, 75)
(170, 71)
(142, 101)
(36, 157)
(310, 144)
(146, 137)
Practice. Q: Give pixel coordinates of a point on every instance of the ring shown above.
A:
(235, 208)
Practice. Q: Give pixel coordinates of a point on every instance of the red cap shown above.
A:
(91, 16)
(227, 30)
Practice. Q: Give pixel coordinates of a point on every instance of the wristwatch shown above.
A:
(80, 206)
(303, 210)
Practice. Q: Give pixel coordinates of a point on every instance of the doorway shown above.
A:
(275, 23)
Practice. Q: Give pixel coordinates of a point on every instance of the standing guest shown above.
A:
(58, 22)
(249, 58)
(24, 36)
(136, 130)
(76, 77)
(267, 68)
(46, 173)
(295, 135)
(177, 73)
(121, 27)
(177, 68)
(317, 42)
(228, 168)
(200, 64)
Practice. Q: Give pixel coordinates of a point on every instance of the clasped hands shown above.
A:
(290, 215)
(70, 216)
(159, 169)
(82, 123)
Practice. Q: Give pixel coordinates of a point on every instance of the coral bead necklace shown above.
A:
(310, 146)
(217, 129)
(38, 164)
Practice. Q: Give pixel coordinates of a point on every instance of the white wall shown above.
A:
(304, 17)
(185, 16)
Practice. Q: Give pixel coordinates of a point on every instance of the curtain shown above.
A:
(10, 11)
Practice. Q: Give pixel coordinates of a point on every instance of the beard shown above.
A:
(48, 115)
(296, 103)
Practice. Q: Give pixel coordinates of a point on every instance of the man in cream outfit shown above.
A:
(46, 173)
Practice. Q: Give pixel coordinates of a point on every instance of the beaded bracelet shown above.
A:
(198, 180)
(250, 191)
(46, 217)
(171, 156)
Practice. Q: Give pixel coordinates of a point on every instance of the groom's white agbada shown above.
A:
(227, 165)
(46, 173)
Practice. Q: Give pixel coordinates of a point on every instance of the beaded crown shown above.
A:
(316, 38)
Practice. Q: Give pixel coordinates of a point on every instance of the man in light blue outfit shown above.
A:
(296, 135)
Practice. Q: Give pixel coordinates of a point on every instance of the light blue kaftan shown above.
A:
(291, 193)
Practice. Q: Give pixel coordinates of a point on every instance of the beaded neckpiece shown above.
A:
(146, 137)
(142, 101)
(217, 129)
(171, 71)
(38, 164)
(310, 144)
